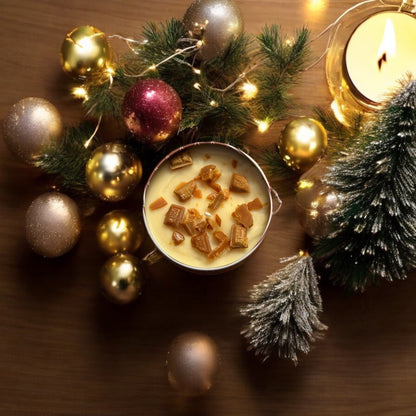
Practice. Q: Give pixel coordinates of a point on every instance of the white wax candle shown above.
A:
(379, 53)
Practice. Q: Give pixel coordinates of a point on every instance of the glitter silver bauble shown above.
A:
(31, 125)
(216, 22)
(53, 224)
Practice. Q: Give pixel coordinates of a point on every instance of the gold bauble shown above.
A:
(192, 363)
(31, 126)
(53, 224)
(302, 143)
(120, 231)
(121, 278)
(85, 53)
(315, 203)
(216, 22)
(113, 171)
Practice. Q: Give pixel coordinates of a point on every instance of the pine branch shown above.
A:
(67, 159)
(161, 40)
(283, 311)
(275, 166)
(220, 114)
(341, 136)
(105, 98)
(281, 65)
(211, 96)
(223, 70)
(374, 235)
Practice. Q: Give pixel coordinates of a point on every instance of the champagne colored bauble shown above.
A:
(85, 53)
(120, 231)
(121, 278)
(192, 363)
(113, 171)
(302, 143)
(216, 22)
(315, 203)
(53, 224)
(152, 111)
(31, 126)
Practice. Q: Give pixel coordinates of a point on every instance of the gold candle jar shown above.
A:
(371, 50)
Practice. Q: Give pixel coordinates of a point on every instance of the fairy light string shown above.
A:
(242, 85)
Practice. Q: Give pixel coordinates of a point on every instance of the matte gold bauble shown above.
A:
(192, 363)
(53, 224)
(113, 171)
(120, 231)
(302, 143)
(216, 22)
(315, 203)
(32, 125)
(121, 278)
(85, 53)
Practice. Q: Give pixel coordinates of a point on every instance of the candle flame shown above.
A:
(388, 44)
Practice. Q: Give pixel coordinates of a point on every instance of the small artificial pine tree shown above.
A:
(374, 231)
(283, 311)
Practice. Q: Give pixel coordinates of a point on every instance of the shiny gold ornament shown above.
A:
(302, 143)
(113, 171)
(216, 22)
(192, 363)
(86, 54)
(120, 231)
(315, 202)
(121, 278)
(53, 224)
(32, 125)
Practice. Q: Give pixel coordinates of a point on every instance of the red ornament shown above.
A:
(152, 110)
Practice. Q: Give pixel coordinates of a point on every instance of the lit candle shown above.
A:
(380, 52)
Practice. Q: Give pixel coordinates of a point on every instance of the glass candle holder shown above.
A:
(371, 50)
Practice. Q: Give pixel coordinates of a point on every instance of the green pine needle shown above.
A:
(276, 167)
(281, 65)
(68, 157)
(341, 136)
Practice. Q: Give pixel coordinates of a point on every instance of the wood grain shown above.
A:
(64, 350)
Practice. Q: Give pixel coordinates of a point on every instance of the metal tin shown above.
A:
(274, 204)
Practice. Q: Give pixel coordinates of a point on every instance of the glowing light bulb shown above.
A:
(262, 125)
(80, 93)
(249, 90)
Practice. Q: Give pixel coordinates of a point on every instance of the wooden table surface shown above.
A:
(65, 350)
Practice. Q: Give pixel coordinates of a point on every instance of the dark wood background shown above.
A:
(65, 350)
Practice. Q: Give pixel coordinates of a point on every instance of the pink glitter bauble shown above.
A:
(152, 111)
